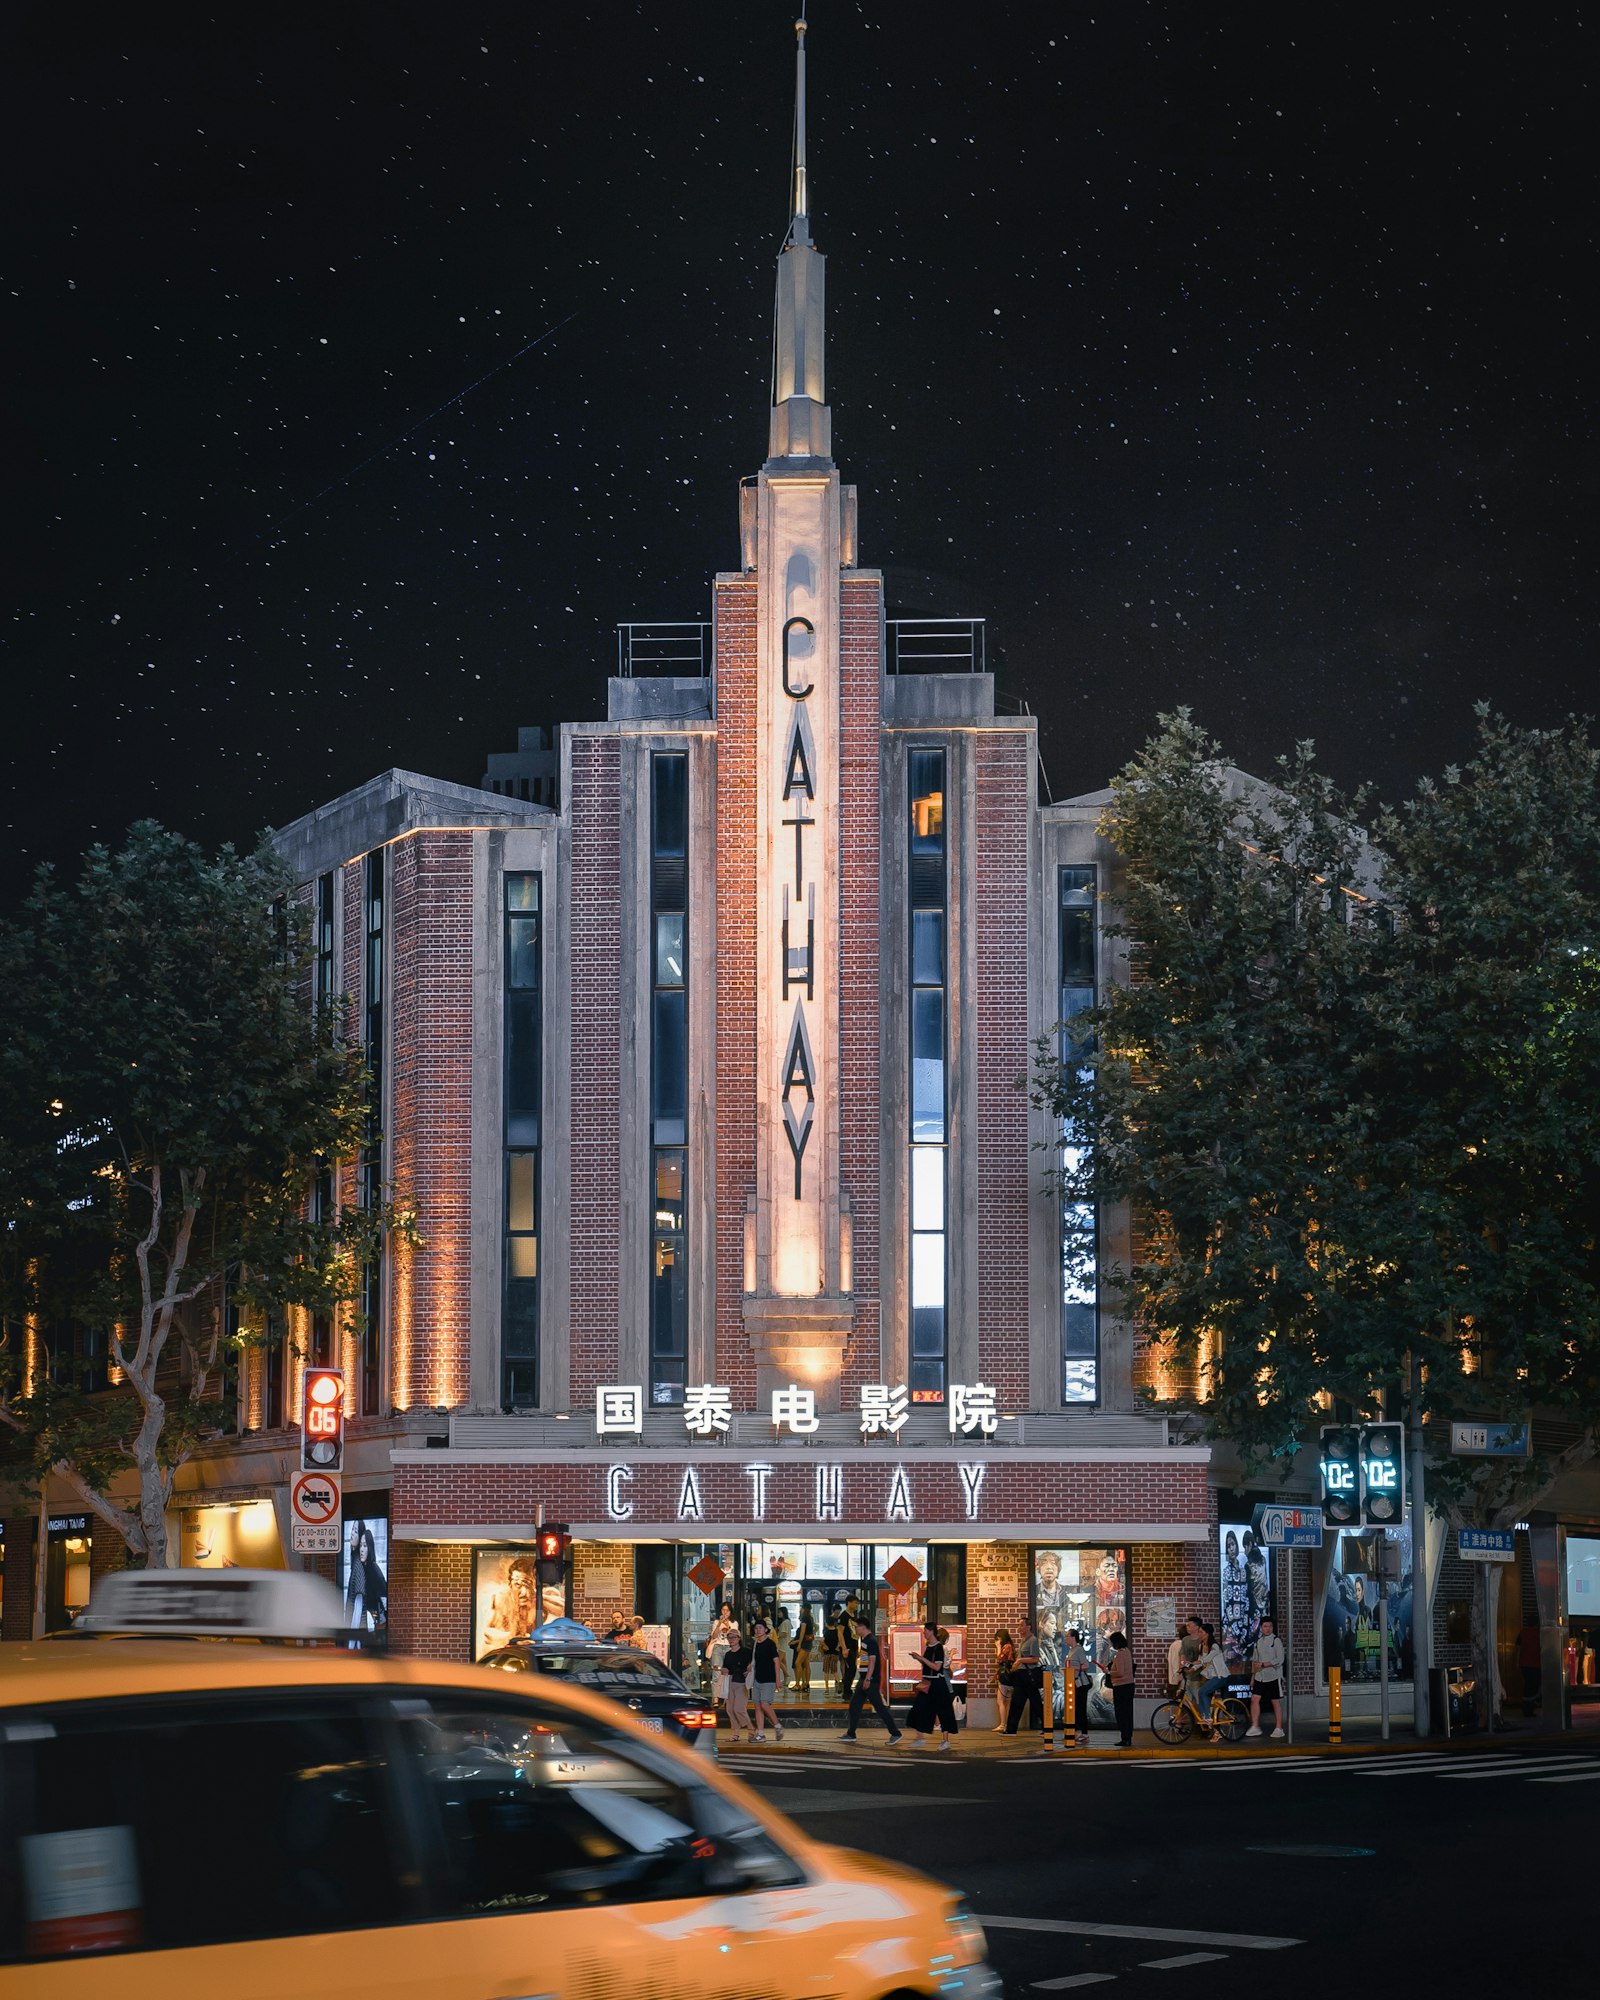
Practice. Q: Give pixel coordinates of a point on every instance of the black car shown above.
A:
(624, 1674)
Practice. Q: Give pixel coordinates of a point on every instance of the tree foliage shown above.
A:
(167, 1098)
(1354, 1092)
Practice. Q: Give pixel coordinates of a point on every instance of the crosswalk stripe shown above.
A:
(1587, 1777)
(1515, 1768)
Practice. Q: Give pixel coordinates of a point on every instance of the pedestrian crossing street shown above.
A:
(1450, 1767)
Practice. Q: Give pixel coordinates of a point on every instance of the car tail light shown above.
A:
(695, 1718)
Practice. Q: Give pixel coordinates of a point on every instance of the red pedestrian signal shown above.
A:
(322, 1420)
(553, 1543)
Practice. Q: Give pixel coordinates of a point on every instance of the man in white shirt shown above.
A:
(1267, 1679)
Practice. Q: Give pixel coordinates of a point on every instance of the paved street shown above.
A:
(1448, 1868)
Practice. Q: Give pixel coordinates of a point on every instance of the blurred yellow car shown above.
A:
(266, 1821)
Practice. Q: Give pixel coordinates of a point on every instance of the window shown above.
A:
(928, 876)
(524, 1071)
(669, 1075)
(79, 1356)
(531, 1810)
(324, 944)
(370, 1348)
(93, 1825)
(321, 1350)
(1080, 1317)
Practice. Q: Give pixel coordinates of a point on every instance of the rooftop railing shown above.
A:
(935, 646)
(676, 651)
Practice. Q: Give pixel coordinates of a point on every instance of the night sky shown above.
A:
(1238, 362)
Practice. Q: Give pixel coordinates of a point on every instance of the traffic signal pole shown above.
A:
(1421, 1582)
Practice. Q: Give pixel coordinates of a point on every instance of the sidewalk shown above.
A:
(993, 1746)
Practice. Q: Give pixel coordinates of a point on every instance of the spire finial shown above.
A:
(800, 218)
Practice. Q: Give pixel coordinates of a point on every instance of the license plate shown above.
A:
(651, 1722)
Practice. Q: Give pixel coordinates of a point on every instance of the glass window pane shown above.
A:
(524, 1253)
(519, 1204)
(927, 1187)
(520, 1337)
(89, 1806)
(927, 1065)
(927, 947)
(927, 1271)
(670, 817)
(669, 1193)
(669, 1069)
(1077, 887)
(669, 948)
(522, 1065)
(927, 801)
(522, 951)
(522, 892)
(1079, 1382)
(927, 1376)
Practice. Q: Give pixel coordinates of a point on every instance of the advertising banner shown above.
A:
(1245, 1587)
(507, 1602)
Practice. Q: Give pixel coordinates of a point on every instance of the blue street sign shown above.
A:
(1489, 1440)
(1489, 1545)
(1288, 1527)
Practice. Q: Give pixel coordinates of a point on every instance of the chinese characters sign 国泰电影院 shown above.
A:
(883, 1410)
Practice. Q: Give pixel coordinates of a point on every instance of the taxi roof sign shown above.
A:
(216, 1604)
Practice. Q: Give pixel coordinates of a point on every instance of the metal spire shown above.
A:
(800, 218)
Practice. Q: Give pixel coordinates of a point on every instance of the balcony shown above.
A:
(655, 650)
(935, 646)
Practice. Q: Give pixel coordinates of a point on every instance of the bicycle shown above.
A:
(1176, 1721)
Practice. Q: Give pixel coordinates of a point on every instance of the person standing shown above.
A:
(934, 1702)
(766, 1665)
(830, 1652)
(869, 1686)
(737, 1664)
(1267, 1679)
(1027, 1686)
(721, 1636)
(1120, 1675)
(1005, 1667)
(805, 1639)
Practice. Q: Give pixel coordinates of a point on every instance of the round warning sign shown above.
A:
(314, 1497)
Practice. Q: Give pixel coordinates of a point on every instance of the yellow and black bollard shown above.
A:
(1335, 1725)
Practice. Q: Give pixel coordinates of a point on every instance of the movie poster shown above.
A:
(1351, 1617)
(1085, 1590)
(364, 1573)
(507, 1603)
(1245, 1588)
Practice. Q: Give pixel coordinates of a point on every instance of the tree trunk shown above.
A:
(154, 1484)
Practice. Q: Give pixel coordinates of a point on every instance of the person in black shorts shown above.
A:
(869, 1684)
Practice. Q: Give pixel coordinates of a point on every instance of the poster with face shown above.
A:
(1244, 1570)
(506, 1599)
(364, 1573)
(1351, 1636)
(1084, 1590)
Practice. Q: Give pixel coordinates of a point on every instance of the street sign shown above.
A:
(1288, 1527)
(1489, 1440)
(315, 1504)
(1486, 1545)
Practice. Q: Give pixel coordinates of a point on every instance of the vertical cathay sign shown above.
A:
(798, 929)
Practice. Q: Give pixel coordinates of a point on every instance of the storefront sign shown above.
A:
(973, 1409)
(1488, 1545)
(602, 1583)
(1288, 1527)
(997, 1583)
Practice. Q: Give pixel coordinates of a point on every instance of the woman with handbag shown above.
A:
(1005, 1667)
(737, 1665)
(1120, 1675)
(933, 1703)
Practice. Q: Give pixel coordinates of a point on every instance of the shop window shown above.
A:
(92, 1796)
(69, 1561)
(927, 874)
(238, 1536)
(1080, 1248)
(524, 1071)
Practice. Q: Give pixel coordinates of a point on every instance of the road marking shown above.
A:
(816, 1801)
(1250, 1762)
(1185, 1958)
(1072, 1979)
(1515, 1767)
(1150, 1934)
(1571, 1777)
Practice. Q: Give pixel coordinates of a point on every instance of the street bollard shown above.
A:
(1049, 1717)
(1069, 1710)
(1335, 1726)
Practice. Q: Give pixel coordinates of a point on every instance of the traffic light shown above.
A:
(1383, 1475)
(553, 1543)
(1341, 1475)
(322, 1420)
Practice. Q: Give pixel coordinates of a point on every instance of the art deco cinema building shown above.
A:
(738, 1237)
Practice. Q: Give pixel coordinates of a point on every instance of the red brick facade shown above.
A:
(596, 931)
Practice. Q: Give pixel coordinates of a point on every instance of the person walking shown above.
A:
(766, 1667)
(737, 1664)
(1027, 1686)
(717, 1643)
(1120, 1675)
(1005, 1667)
(1267, 1679)
(934, 1703)
(869, 1685)
(804, 1640)
(830, 1652)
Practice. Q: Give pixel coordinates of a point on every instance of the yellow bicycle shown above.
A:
(1176, 1721)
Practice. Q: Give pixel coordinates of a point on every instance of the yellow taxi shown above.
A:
(259, 1821)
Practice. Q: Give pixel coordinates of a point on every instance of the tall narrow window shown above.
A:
(524, 1027)
(669, 1076)
(928, 947)
(1080, 1320)
(321, 1353)
(370, 1345)
(324, 944)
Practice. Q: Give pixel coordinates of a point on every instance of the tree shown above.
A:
(167, 1098)
(1353, 1093)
